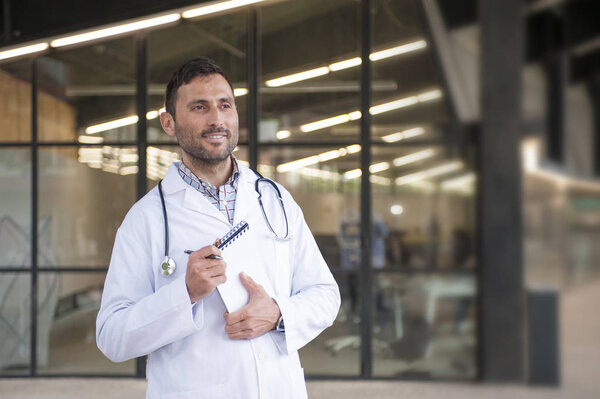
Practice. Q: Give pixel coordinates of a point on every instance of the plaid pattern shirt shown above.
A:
(223, 197)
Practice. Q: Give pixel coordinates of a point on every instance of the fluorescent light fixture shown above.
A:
(435, 171)
(321, 174)
(352, 174)
(152, 115)
(338, 66)
(391, 52)
(115, 30)
(345, 64)
(396, 209)
(354, 148)
(374, 110)
(414, 157)
(101, 127)
(286, 80)
(379, 167)
(283, 134)
(87, 151)
(217, 7)
(403, 135)
(461, 182)
(240, 92)
(129, 170)
(24, 50)
(315, 159)
(530, 154)
(90, 139)
(401, 103)
(383, 181)
(128, 157)
(322, 124)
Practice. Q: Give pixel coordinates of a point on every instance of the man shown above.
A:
(195, 348)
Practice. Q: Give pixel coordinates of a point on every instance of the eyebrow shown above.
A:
(203, 101)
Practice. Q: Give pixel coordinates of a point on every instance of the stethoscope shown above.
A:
(168, 265)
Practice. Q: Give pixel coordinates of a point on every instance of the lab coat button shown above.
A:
(261, 356)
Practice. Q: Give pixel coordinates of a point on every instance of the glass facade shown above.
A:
(74, 176)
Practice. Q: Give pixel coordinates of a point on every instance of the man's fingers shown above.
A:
(250, 284)
(206, 251)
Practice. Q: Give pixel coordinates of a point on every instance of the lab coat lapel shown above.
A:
(245, 195)
(193, 199)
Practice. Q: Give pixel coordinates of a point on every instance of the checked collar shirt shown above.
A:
(223, 197)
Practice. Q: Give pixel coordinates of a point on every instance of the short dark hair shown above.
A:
(198, 66)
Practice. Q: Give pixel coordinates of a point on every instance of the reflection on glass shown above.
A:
(15, 339)
(336, 351)
(222, 38)
(315, 178)
(310, 83)
(87, 94)
(423, 210)
(412, 107)
(424, 326)
(15, 101)
(84, 194)
(15, 208)
(67, 326)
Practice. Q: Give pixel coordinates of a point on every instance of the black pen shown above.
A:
(219, 257)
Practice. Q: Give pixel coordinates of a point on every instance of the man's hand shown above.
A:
(203, 273)
(257, 317)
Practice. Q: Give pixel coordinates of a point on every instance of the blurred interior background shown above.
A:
(80, 142)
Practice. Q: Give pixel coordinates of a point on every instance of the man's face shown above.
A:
(207, 125)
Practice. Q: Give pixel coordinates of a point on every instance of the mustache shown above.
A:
(215, 130)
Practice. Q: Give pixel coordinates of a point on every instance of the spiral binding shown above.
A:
(233, 234)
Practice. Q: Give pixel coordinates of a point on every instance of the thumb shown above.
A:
(250, 284)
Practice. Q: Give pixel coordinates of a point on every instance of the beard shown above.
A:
(204, 153)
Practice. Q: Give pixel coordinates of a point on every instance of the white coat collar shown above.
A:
(195, 201)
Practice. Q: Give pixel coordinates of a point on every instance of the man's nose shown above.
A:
(215, 117)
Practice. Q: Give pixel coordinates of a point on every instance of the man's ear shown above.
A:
(168, 123)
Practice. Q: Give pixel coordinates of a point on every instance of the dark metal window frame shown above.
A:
(366, 273)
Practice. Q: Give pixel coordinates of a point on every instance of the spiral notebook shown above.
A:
(239, 249)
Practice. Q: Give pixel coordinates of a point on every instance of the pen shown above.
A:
(219, 257)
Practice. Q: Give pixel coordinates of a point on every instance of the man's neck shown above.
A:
(216, 173)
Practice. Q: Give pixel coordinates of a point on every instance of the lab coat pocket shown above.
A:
(214, 392)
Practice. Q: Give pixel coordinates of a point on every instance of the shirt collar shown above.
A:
(192, 178)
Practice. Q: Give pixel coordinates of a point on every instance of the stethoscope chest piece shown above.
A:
(167, 266)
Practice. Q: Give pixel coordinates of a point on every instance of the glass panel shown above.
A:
(15, 207)
(424, 326)
(424, 213)
(330, 204)
(67, 325)
(222, 38)
(412, 105)
(15, 322)
(336, 352)
(88, 93)
(311, 72)
(15, 101)
(84, 193)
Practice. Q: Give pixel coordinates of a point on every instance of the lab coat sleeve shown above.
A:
(314, 299)
(134, 319)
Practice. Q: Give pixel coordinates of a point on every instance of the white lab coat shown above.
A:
(189, 353)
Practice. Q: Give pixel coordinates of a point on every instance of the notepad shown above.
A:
(239, 249)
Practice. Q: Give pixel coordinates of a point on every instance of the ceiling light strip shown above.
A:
(374, 110)
(425, 174)
(216, 7)
(115, 30)
(23, 50)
